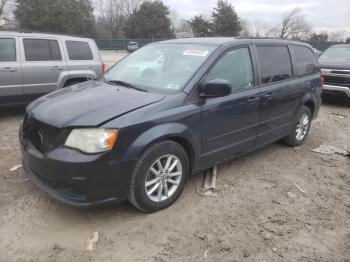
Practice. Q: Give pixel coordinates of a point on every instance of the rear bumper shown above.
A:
(336, 90)
(75, 178)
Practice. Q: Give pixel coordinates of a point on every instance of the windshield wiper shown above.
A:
(123, 83)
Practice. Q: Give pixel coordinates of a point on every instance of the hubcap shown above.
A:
(302, 127)
(163, 178)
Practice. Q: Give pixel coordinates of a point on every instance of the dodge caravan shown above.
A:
(168, 110)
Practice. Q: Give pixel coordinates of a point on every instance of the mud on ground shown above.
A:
(258, 215)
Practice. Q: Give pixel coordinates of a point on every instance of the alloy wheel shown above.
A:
(163, 178)
(302, 126)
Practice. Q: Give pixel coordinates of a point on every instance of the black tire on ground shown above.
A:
(291, 139)
(137, 195)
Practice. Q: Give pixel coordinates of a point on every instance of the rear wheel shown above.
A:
(159, 177)
(301, 128)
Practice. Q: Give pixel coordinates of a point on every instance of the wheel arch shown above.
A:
(71, 75)
(309, 101)
(311, 105)
(175, 132)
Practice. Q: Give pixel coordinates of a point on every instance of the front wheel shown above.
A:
(159, 177)
(301, 128)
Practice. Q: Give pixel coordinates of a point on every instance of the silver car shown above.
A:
(32, 65)
(132, 46)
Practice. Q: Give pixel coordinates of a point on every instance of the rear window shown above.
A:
(78, 50)
(41, 50)
(306, 62)
(275, 63)
(7, 50)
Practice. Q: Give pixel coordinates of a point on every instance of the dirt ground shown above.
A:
(109, 57)
(258, 215)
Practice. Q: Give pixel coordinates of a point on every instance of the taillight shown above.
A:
(322, 82)
(103, 68)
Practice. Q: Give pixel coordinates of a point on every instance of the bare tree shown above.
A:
(338, 36)
(261, 29)
(112, 14)
(246, 28)
(3, 18)
(294, 25)
(174, 18)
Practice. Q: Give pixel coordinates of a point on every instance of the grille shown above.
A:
(335, 80)
(41, 135)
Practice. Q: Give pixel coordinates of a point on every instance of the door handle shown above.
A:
(252, 99)
(56, 68)
(268, 96)
(8, 69)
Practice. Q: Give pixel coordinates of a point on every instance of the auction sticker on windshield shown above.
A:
(196, 53)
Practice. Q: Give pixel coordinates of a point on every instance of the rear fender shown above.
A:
(65, 76)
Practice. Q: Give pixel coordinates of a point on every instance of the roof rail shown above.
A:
(254, 37)
(47, 33)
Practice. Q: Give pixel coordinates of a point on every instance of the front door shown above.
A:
(229, 124)
(10, 72)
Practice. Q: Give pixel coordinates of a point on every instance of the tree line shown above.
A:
(150, 19)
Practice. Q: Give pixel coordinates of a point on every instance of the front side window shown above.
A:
(235, 67)
(306, 62)
(164, 68)
(41, 50)
(7, 50)
(78, 50)
(275, 63)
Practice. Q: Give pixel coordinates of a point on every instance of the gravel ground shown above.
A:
(110, 57)
(258, 215)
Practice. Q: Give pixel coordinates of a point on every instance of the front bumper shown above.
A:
(336, 90)
(75, 178)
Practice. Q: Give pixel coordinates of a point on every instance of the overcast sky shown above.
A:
(326, 15)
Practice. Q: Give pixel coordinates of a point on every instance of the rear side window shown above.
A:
(275, 63)
(41, 50)
(306, 62)
(78, 50)
(7, 50)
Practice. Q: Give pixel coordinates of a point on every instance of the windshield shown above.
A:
(160, 67)
(339, 52)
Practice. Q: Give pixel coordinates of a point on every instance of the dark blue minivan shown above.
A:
(169, 110)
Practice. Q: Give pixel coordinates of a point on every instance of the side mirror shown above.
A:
(216, 88)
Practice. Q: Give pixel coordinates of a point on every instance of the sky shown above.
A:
(328, 15)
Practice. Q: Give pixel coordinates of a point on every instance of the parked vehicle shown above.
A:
(335, 65)
(317, 52)
(32, 65)
(140, 132)
(132, 46)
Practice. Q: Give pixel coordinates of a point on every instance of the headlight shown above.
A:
(325, 71)
(92, 140)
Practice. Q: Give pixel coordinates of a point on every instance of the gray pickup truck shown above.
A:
(32, 64)
(335, 68)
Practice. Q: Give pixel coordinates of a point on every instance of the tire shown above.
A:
(299, 131)
(140, 195)
(68, 84)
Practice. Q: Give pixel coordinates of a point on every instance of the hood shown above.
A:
(88, 104)
(335, 64)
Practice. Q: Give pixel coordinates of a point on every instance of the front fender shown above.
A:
(163, 132)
